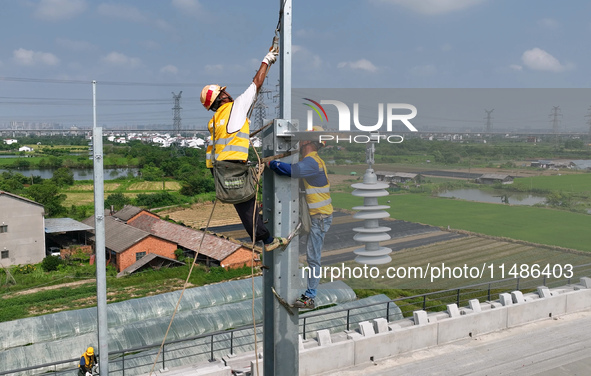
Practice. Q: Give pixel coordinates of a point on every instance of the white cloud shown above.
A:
(190, 7)
(75, 45)
(424, 70)
(122, 60)
(31, 58)
(516, 67)
(57, 10)
(169, 69)
(131, 14)
(362, 64)
(446, 47)
(150, 45)
(548, 23)
(214, 68)
(538, 59)
(124, 12)
(433, 7)
(305, 58)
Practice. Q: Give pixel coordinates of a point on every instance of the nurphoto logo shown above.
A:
(391, 115)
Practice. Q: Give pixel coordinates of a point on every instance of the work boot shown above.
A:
(276, 243)
(304, 302)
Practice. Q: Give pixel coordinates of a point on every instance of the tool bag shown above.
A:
(235, 181)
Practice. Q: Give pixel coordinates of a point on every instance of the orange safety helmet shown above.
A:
(209, 95)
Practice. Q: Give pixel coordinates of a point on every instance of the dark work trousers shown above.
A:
(245, 210)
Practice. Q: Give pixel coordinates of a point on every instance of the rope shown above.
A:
(183, 290)
(261, 168)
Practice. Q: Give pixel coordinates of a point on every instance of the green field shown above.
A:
(573, 183)
(533, 224)
(489, 260)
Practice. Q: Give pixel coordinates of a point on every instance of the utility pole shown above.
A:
(99, 244)
(554, 116)
(488, 120)
(280, 202)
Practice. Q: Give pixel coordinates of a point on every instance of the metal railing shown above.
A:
(212, 346)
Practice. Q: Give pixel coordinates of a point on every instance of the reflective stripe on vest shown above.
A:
(318, 198)
(228, 146)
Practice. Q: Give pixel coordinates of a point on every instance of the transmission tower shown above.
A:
(276, 98)
(554, 115)
(589, 121)
(488, 119)
(176, 122)
(259, 111)
(176, 113)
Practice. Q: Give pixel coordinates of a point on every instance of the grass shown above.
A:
(573, 183)
(533, 224)
(151, 282)
(155, 186)
(82, 193)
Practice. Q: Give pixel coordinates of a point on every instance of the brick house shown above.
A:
(126, 244)
(214, 251)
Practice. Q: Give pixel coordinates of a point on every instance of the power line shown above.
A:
(107, 83)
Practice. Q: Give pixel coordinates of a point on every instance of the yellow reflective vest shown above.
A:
(228, 146)
(88, 361)
(318, 198)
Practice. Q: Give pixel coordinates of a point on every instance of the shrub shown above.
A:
(25, 269)
(51, 263)
(180, 255)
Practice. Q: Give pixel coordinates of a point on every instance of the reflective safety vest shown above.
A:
(88, 361)
(318, 198)
(228, 146)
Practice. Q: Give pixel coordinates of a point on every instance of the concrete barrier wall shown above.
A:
(434, 329)
(378, 339)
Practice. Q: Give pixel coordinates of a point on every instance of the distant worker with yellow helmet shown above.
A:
(312, 170)
(87, 362)
(230, 127)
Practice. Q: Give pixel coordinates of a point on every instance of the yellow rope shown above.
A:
(183, 290)
(261, 168)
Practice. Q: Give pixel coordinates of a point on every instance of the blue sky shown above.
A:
(142, 51)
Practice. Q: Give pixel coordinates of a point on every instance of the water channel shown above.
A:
(79, 173)
(496, 196)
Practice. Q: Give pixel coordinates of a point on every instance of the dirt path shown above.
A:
(37, 289)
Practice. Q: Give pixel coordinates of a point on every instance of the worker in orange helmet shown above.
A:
(232, 136)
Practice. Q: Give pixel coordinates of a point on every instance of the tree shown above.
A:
(574, 144)
(152, 173)
(47, 194)
(197, 184)
(118, 200)
(63, 177)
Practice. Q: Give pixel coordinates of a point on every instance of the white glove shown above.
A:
(270, 58)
